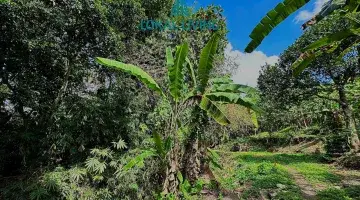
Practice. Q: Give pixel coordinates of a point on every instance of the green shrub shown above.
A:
(353, 192)
(333, 194)
(337, 144)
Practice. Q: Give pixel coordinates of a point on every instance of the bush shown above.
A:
(335, 144)
(333, 194)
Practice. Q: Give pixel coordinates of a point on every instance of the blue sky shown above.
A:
(242, 16)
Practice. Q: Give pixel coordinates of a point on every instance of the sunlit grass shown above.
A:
(256, 172)
(317, 173)
(252, 172)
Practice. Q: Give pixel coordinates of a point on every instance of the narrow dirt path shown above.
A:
(307, 190)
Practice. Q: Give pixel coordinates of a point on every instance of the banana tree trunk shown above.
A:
(171, 183)
(192, 162)
(193, 153)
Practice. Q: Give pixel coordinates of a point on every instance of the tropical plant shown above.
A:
(180, 96)
(327, 44)
(324, 81)
(283, 10)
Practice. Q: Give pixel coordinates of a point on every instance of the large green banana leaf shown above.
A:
(313, 50)
(221, 80)
(332, 38)
(176, 71)
(139, 159)
(231, 98)
(254, 119)
(302, 63)
(169, 58)
(213, 111)
(191, 70)
(271, 20)
(349, 48)
(234, 88)
(159, 146)
(207, 61)
(133, 70)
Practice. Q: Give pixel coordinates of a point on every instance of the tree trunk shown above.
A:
(193, 153)
(171, 183)
(349, 120)
(192, 159)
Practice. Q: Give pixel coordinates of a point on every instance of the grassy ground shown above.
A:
(264, 175)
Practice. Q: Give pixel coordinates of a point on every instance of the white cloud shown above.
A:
(308, 14)
(249, 65)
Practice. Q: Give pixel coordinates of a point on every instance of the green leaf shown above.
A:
(354, 17)
(213, 111)
(120, 144)
(176, 72)
(234, 88)
(206, 62)
(353, 5)
(180, 177)
(330, 39)
(159, 144)
(348, 49)
(231, 98)
(302, 63)
(214, 158)
(169, 58)
(273, 18)
(221, 80)
(167, 144)
(191, 70)
(254, 119)
(138, 159)
(133, 70)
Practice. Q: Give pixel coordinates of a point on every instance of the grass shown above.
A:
(317, 173)
(255, 174)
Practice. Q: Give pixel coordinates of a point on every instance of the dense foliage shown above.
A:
(94, 107)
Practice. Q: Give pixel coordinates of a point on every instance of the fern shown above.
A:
(39, 193)
(120, 144)
(102, 153)
(94, 165)
(77, 174)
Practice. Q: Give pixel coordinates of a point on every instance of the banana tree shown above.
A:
(200, 96)
(328, 44)
(341, 42)
(284, 9)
